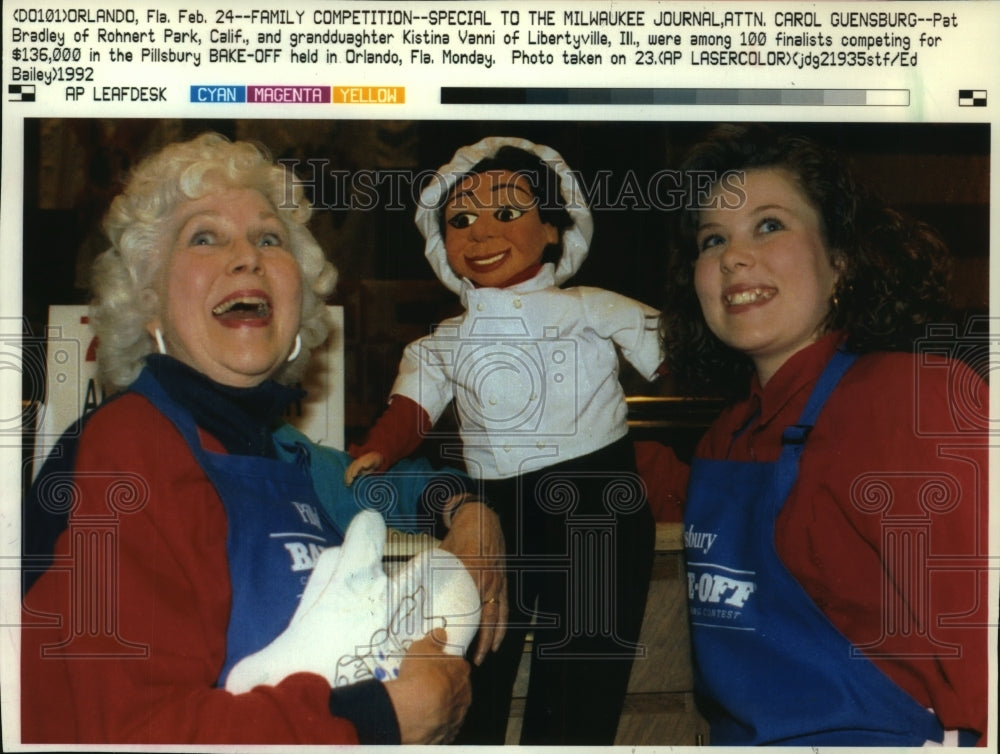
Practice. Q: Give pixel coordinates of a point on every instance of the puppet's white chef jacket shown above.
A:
(533, 371)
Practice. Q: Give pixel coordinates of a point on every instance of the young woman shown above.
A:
(836, 514)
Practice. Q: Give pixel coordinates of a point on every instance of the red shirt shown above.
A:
(886, 526)
(149, 657)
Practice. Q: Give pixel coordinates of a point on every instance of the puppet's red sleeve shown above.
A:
(397, 433)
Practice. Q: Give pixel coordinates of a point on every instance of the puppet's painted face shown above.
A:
(493, 231)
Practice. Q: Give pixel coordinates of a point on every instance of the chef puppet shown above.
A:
(532, 369)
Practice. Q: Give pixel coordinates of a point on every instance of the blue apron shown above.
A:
(769, 666)
(277, 529)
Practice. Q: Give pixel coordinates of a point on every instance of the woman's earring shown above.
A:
(160, 345)
(835, 298)
(296, 350)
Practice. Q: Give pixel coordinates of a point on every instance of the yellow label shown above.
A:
(369, 95)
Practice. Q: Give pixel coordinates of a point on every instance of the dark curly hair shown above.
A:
(894, 271)
(544, 184)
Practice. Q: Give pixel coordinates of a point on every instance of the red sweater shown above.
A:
(150, 661)
(895, 456)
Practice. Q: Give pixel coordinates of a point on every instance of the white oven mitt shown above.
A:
(354, 622)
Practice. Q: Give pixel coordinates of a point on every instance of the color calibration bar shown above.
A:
(458, 95)
(277, 94)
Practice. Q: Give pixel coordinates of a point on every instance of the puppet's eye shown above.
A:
(462, 220)
(507, 214)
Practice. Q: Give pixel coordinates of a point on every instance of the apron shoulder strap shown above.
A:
(794, 437)
(840, 362)
(147, 386)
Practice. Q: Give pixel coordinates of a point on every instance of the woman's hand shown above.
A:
(432, 693)
(475, 537)
(364, 464)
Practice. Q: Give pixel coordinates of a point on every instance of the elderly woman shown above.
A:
(197, 515)
(835, 523)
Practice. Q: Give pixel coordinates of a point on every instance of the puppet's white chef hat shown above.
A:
(575, 239)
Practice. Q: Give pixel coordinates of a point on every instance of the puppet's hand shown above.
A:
(364, 464)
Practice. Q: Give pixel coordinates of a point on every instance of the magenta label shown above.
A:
(288, 95)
